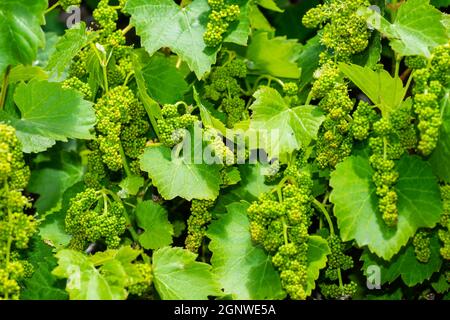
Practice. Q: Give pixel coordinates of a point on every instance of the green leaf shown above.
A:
(440, 158)
(51, 183)
(42, 285)
(440, 3)
(162, 23)
(177, 276)
(52, 230)
(164, 81)
(244, 270)
(356, 204)
(308, 60)
(371, 56)
(417, 28)
(180, 176)
(84, 281)
(269, 4)
(406, 265)
(20, 31)
(68, 47)
(87, 282)
(396, 295)
(208, 119)
(317, 259)
(276, 56)
(131, 185)
(158, 230)
(441, 286)
(386, 93)
(284, 129)
(26, 73)
(49, 113)
(258, 21)
(239, 33)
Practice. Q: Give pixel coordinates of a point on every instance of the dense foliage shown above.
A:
(225, 149)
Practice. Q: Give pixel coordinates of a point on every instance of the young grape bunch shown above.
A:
(95, 216)
(16, 226)
(279, 223)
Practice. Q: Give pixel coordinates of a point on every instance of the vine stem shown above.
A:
(322, 209)
(5, 83)
(52, 7)
(124, 160)
(127, 29)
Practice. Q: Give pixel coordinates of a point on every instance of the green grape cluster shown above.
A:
(121, 128)
(219, 20)
(392, 137)
(16, 227)
(144, 286)
(279, 223)
(78, 85)
(65, 4)
(93, 216)
(222, 154)
(444, 233)
(344, 31)
(223, 86)
(337, 260)
(431, 83)
(416, 62)
(334, 291)
(172, 127)
(334, 141)
(421, 243)
(106, 16)
(96, 172)
(78, 66)
(363, 119)
(198, 221)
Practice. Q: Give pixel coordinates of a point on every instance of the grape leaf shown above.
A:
(49, 113)
(179, 176)
(208, 119)
(440, 158)
(284, 129)
(131, 185)
(87, 282)
(356, 204)
(239, 30)
(51, 183)
(84, 281)
(258, 21)
(244, 270)
(417, 28)
(276, 56)
(406, 265)
(42, 285)
(441, 285)
(318, 250)
(162, 23)
(164, 81)
(20, 31)
(158, 230)
(52, 230)
(26, 73)
(177, 276)
(386, 92)
(269, 4)
(68, 47)
(308, 60)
